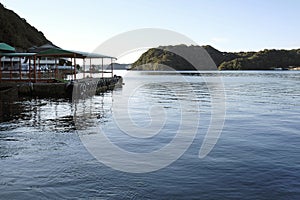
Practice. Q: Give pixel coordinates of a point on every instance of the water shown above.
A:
(256, 157)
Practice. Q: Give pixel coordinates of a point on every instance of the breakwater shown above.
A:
(82, 87)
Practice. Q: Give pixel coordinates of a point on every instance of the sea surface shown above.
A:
(255, 156)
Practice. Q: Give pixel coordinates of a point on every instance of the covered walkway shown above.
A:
(51, 65)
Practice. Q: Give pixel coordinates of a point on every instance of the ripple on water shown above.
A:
(256, 157)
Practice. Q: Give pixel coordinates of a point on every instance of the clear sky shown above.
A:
(228, 25)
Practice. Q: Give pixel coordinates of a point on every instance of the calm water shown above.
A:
(256, 157)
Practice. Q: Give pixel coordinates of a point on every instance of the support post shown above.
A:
(112, 67)
(102, 68)
(39, 67)
(74, 67)
(90, 68)
(34, 69)
(56, 69)
(29, 68)
(71, 71)
(83, 67)
(20, 68)
(11, 66)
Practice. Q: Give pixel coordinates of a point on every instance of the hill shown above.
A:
(18, 33)
(163, 57)
(262, 60)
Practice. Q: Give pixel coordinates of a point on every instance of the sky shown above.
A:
(228, 25)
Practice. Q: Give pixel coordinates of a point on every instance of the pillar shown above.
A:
(29, 65)
(102, 68)
(90, 68)
(74, 67)
(20, 68)
(11, 66)
(112, 67)
(39, 67)
(83, 67)
(34, 70)
(56, 69)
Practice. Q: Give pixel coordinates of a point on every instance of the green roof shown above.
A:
(6, 48)
(58, 52)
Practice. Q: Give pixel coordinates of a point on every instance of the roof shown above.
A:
(53, 51)
(6, 48)
(58, 52)
(44, 47)
(17, 54)
(93, 55)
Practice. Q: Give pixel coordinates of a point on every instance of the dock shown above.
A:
(50, 71)
(83, 87)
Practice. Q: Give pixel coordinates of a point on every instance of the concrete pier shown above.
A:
(83, 87)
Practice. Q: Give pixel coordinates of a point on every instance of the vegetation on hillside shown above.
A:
(264, 60)
(16, 32)
(161, 59)
(154, 58)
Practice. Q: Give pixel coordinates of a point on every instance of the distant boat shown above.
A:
(277, 69)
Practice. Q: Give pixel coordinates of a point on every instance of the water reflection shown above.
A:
(26, 122)
(90, 112)
(52, 114)
(9, 110)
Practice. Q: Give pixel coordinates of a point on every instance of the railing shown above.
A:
(31, 76)
(49, 75)
(18, 72)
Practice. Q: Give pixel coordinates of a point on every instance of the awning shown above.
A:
(57, 52)
(6, 48)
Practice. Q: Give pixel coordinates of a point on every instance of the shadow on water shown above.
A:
(8, 106)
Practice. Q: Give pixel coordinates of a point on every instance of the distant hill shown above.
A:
(264, 60)
(163, 57)
(16, 32)
(155, 58)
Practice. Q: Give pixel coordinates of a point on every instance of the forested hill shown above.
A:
(262, 60)
(16, 32)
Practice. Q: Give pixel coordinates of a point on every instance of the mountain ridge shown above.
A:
(17, 32)
(262, 60)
